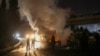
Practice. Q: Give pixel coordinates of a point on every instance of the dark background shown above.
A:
(81, 7)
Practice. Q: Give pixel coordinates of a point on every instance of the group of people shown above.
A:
(30, 49)
(82, 38)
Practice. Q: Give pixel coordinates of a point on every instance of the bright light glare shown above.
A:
(31, 36)
(37, 37)
(18, 36)
(37, 45)
(32, 40)
(27, 36)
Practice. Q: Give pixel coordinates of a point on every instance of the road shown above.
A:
(45, 52)
(20, 52)
(49, 52)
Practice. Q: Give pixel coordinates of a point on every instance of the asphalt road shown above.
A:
(19, 52)
(51, 52)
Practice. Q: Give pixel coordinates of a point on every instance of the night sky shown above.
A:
(81, 7)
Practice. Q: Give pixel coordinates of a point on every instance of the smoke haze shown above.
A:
(44, 15)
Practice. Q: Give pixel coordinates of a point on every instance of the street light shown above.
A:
(18, 36)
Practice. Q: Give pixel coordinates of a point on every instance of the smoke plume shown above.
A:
(44, 15)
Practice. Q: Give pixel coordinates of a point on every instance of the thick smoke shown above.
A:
(44, 15)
